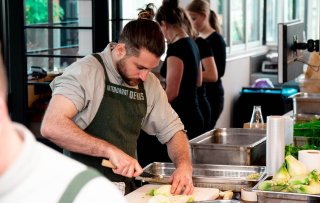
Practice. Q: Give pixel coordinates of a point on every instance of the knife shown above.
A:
(146, 175)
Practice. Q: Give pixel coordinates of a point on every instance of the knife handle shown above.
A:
(107, 163)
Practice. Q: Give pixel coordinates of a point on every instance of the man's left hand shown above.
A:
(181, 181)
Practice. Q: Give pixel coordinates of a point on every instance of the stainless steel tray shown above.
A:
(223, 177)
(267, 196)
(230, 146)
(306, 103)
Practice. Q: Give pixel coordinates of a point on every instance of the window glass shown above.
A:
(130, 8)
(58, 13)
(314, 24)
(271, 21)
(253, 18)
(222, 11)
(57, 29)
(237, 22)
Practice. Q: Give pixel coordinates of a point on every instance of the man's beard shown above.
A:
(120, 65)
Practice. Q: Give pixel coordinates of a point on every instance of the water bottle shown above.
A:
(256, 118)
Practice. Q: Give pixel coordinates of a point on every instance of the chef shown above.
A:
(101, 102)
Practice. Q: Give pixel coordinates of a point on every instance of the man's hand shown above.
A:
(179, 152)
(181, 181)
(124, 164)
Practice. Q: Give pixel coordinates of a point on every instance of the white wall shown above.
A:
(237, 75)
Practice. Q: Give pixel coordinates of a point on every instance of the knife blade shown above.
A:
(144, 174)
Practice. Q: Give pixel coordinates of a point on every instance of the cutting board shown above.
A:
(141, 194)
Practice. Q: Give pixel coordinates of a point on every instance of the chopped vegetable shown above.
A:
(282, 173)
(159, 199)
(163, 195)
(163, 190)
(253, 176)
(312, 188)
(292, 176)
(304, 179)
(295, 167)
(273, 185)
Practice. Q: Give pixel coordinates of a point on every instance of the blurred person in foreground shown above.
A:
(33, 172)
(101, 102)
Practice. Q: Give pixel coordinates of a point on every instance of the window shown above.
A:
(57, 32)
(237, 22)
(253, 20)
(122, 11)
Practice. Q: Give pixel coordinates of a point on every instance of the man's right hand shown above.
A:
(125, 164)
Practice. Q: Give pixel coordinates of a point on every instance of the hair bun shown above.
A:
(147, 13)
(172, 3)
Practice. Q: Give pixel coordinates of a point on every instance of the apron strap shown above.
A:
(98, 57)
(77, 183)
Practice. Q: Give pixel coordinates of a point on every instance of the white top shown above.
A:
(41, 174)
(83, 83)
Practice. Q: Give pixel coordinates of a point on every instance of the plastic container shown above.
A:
(309, 85)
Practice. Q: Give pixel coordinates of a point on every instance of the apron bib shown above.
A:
(118, 121)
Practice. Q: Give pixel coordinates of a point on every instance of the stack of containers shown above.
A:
(306, 117)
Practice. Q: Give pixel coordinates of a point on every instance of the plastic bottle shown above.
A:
(256, 118)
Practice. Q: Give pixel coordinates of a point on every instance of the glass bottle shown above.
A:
(256, 118)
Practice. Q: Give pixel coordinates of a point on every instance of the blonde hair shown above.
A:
(203, 7)
(3, 77)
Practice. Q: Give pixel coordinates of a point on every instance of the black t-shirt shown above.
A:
(186, 50)
(218, 47)
(186, 103)
(204, 48)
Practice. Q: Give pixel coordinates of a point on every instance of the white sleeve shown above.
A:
(99, 190)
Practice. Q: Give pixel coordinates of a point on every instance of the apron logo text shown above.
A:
(130, 94)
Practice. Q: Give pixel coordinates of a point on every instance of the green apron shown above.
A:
(118, 121)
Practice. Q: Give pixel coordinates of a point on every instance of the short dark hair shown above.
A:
(143, 33)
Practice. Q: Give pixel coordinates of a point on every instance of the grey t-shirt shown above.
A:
(83, 82)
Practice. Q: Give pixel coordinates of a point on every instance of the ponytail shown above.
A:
(214, 22)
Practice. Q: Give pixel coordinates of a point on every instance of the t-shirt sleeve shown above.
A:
(204, 48)
(78, 82)
(161, 119)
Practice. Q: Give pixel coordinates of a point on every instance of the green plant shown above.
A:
(36, 11)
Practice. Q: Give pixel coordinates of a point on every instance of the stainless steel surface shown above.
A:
(223, 177)
(230, 146)
(306, 103)
(285, 197)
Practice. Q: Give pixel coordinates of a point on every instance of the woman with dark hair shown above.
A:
(181, 66)
(205, 21)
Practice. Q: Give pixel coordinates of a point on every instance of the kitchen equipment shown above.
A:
(230, 146)
(283, 197)
(144, 175)
(141, 195)
(223, 177)
(306, 103)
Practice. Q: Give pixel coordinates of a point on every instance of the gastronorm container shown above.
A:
(223, 177)
(282, 197)
(230, 146)
(306, 103)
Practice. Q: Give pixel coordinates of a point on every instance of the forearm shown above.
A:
(179, 150)
(66, 134)
(58, 126)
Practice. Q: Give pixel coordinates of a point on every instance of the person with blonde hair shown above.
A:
(206, 22)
